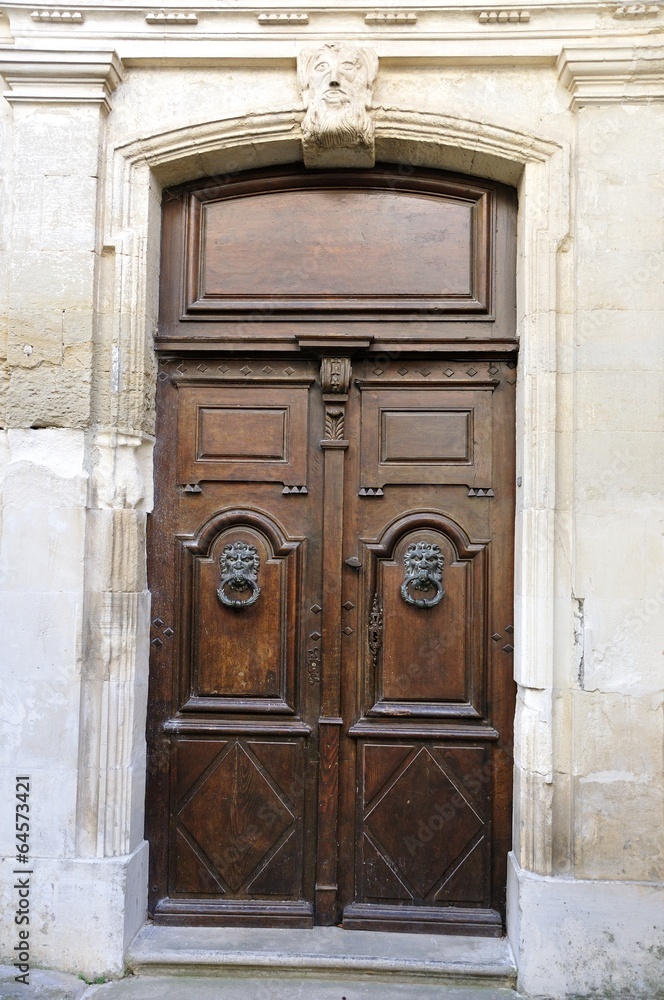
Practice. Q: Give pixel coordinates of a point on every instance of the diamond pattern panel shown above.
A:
(235, 817)
(423, 823)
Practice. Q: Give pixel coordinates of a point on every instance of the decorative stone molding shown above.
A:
(283, 17)
(438, 141)
(636, 10)
(336, 81)
(611, 74)
(46, 76)
(58, 16)
(391, 17)
(171, 17)
(504, 17)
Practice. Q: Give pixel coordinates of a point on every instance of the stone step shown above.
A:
(241, 988)
(322, 952)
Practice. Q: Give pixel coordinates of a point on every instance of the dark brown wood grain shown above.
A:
(333, 751)
(267, 256)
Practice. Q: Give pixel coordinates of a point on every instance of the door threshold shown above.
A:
(323, 952)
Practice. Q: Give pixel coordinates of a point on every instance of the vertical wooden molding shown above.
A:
(335, 380)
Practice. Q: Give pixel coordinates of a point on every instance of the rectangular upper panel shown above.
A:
(243, 434)
(448, 437)
(411, 245)
(285, 255)
(338, 243)
(426, 434)
(255, 433)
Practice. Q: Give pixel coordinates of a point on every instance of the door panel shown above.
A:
(240, 658)
(235, 570)
(429, 514)
(331, 688)
(439, 671)
(428, 434)
(243, 433)
(431, 243)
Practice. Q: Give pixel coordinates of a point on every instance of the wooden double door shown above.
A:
(331, 694)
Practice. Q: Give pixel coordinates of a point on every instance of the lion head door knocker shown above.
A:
(239, 564)
(423, 563)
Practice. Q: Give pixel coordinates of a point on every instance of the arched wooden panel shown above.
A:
(439, 672)
(241, 654)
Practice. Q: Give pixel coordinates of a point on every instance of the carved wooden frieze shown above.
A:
(336, 81)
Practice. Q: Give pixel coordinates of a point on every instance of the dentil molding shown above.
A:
(611, 74)
(59, 77)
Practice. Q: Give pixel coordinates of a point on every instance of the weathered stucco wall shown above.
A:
(86, 144)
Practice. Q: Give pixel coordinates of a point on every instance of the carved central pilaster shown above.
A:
(335, 382)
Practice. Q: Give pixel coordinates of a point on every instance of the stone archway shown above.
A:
(113, 712)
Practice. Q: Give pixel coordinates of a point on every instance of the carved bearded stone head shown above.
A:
(336, 81)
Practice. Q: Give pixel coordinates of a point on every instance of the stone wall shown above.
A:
(96, 117)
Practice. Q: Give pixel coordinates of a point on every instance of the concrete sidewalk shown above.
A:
(57, 986)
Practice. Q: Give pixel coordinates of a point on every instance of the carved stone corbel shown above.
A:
(336, 82)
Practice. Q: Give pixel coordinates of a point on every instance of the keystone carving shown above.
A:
(336, 81)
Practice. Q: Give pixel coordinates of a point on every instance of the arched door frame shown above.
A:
(110, 820)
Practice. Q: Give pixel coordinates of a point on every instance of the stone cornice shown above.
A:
(59, 77)
(139, 31)
(612, 73)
